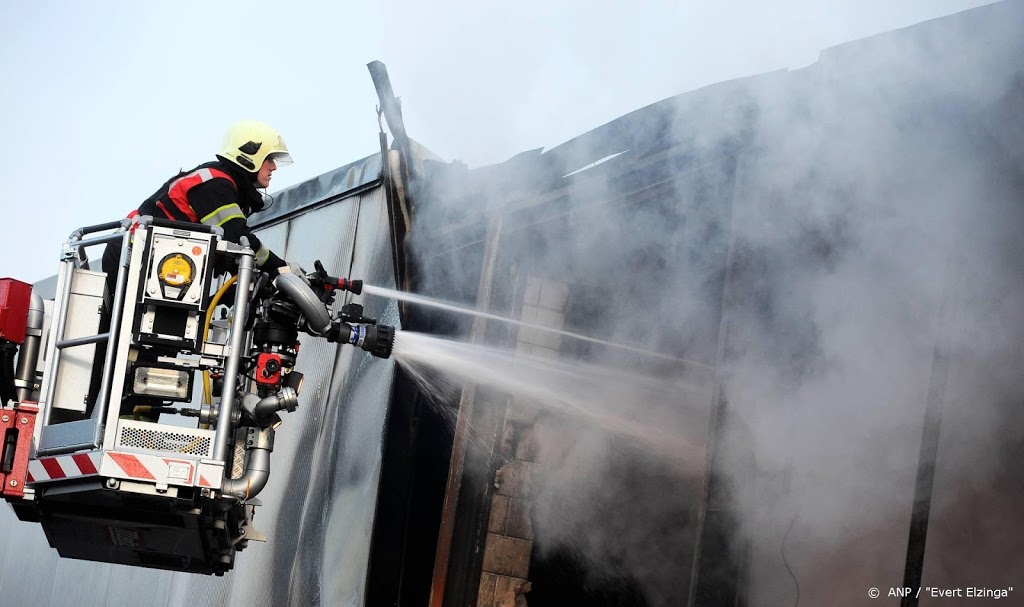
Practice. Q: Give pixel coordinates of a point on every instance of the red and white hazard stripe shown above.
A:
(135, 466)
(64, 466)
(163, 470)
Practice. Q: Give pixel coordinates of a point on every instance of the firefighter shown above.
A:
(221, 193)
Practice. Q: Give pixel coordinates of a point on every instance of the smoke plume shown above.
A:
(822, 238)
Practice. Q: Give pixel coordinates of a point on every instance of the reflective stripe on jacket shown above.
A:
(216, 194)
(178, 190)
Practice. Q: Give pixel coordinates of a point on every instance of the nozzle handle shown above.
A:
(352, 286)
(343, 284)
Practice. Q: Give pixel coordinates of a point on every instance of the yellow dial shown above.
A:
(175, 271)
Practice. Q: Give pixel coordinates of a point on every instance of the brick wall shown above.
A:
(504, 580)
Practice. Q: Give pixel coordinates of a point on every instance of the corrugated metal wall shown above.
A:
(318, 507)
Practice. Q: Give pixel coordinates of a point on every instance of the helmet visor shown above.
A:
(280, 158)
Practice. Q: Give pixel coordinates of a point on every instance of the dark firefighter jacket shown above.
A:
(218, 194)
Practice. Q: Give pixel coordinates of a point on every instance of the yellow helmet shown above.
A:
(249, 142)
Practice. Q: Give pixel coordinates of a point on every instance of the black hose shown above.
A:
(7, 388)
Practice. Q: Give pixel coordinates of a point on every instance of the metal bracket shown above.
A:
(216, 350)
(19, 422)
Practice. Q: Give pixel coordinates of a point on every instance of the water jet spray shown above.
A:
(451, 307)
(603, 397)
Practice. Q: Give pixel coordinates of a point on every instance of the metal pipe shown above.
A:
(318, 319)
(116, 309)
(220, 439)
(28, 357)
(286, 398)
(83, 341)
(88, 242)
(257, 468)
(110, 225)
(53, 363)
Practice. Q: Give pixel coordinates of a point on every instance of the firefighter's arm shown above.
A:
(216, 204)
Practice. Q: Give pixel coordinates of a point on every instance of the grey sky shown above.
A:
(102, 101)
